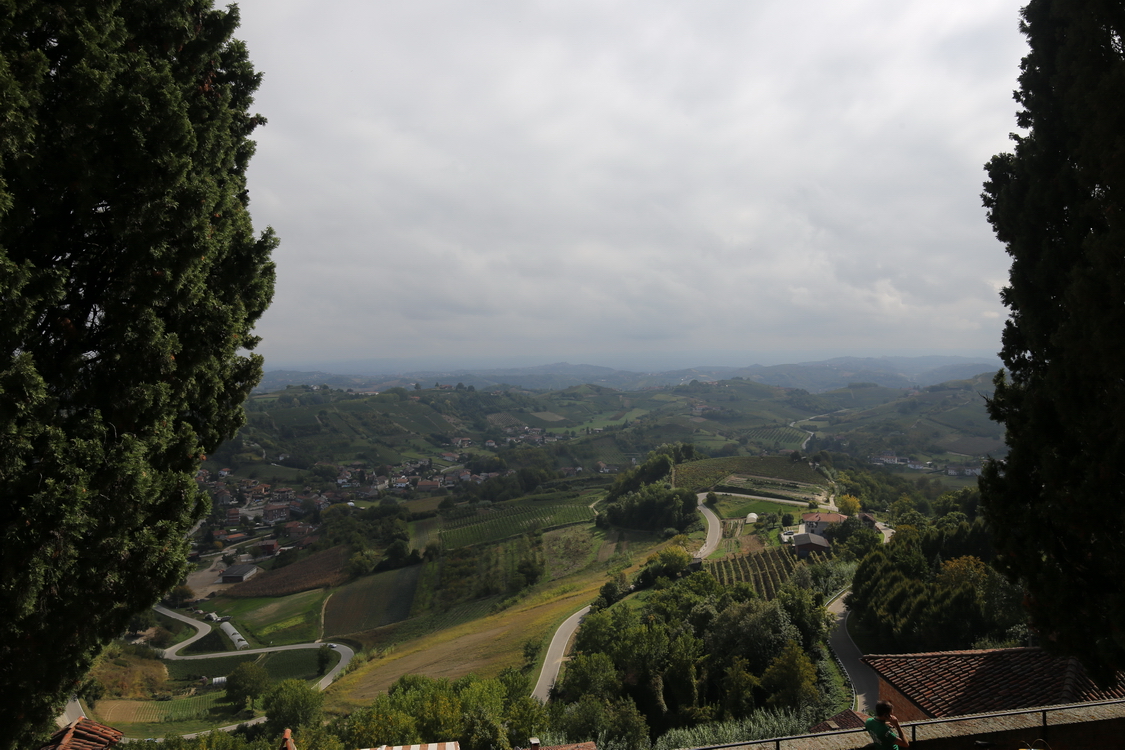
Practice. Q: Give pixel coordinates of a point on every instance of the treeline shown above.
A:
(931, 589)
(642, 498)
(695, 653)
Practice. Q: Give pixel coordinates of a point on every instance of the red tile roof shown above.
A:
(955, 683)
(83, 734)
(848, 719)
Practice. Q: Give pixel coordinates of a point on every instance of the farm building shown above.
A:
(806, 544)
(424, 746)
(816, 523)
(239, 573)
(235, 637)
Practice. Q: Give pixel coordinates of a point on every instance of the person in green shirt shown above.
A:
(883, 727)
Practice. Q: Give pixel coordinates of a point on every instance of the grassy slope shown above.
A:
(484, 646)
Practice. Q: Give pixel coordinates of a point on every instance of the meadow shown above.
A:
(730, 506)
(499, 523)
(699, 476)
(372, 601)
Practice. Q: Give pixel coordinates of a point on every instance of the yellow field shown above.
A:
(483, 647)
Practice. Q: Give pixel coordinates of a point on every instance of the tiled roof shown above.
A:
(956, 683)
(848, 719)
(83, 734)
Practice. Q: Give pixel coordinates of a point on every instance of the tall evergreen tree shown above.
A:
(130, 279)
(1054, 504)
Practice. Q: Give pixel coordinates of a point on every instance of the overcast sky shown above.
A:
(629, 183)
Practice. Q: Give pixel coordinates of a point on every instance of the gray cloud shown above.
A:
(536, 178)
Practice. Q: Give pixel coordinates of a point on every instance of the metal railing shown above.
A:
(1042, 711)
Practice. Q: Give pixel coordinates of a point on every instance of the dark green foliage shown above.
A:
(693, 653)
(653, 506)
(1055, 202)
(247, 683)
(130, 279)
(290, 704)
(929, 590)
(655, 469)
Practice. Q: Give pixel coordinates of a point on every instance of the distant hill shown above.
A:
(815, 377)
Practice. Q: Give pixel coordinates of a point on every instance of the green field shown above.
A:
(699, 476)
(206, 709)
(501, 523)
(740, 507)
(274, 620)
(372, 601)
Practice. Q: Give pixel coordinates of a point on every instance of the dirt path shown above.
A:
(323, 609)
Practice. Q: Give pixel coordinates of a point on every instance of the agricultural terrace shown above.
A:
(699, 476)
(766, 571)
(776, 488)
(777, 437)
(319, 570)
(502, 522)
(486, 645)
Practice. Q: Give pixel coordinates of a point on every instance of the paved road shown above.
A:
(798, 503)
(555, 653)
(863, 678)
(203, 629)
(714, 528)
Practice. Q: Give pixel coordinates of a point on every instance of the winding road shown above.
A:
(556, 652)
(173, 653)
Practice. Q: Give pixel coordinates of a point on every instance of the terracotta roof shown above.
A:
(848, 719)
(83, 734)
(955, 683)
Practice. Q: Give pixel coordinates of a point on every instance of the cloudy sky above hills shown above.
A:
(629, 183)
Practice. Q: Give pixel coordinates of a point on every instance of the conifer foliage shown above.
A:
(130, 279)
(1058, 204)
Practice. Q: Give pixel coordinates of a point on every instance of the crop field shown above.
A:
(782, 437)
(698, 476)
(203, 706)
(766, 571)
(320, 570)
(769, 488)
(289, 619)
(298, 664)
(424, 531)
(740, 507)
(548, 416)
(502, 523)
(416, 627)
(372, 601)
(503, 419)
(419, 418)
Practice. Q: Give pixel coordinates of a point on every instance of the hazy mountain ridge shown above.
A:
(815, 377)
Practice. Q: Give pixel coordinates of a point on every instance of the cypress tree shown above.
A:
(130, 280)
(1057, 202)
